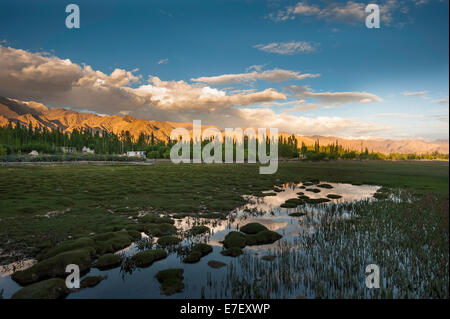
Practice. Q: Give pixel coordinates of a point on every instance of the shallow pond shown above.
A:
(200, 279)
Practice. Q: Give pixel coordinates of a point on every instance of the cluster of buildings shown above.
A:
(87, 150)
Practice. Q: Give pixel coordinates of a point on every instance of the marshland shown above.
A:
(224, 231)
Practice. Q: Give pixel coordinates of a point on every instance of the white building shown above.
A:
(87, 150)
(136, 154)
(66, 149)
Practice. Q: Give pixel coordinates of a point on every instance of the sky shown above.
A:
(304, 67)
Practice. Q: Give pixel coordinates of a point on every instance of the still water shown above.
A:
(200, 279)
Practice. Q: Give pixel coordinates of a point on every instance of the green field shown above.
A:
(41, 206)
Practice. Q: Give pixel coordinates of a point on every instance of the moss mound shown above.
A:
(193, 257)
(198, 230)
(158, 230)
(91, 281)
(232, 252)
(303, 197)
(235, 239)
(308, 184)
(270, 194)
(197, 252)
(102, 243)
(48, 289)
(252, 228)
(154, 219)
(334, 196)
(107, 261)
(171, 280)
(317, 200)
(262, 238)
(67, 246)
(204, 249)
(168, 241)
(380, 195)
(292, 203)
(54, 266)
(288, 205)
(313, 190)
(179, 215)
(111, 242)
(137, 227)
(240, 240)
(148, 257)
(298, 214)
(212, 216)
(324, 185)
(134, 234)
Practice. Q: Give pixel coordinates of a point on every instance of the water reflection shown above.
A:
(201, 279)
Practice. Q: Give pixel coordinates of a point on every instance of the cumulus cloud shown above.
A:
(56, 81)
(266, 117)
(350, 12)
(180, 95)
(60, 82)
(301, 107)
(34, 76)
(322, 125)
(275, 75)
(287, 48)
(333, 98)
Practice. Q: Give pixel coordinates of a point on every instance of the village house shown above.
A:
(87, 150)
(136, 154)
(66, 149)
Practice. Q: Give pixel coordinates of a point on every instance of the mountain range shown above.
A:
(39, 114)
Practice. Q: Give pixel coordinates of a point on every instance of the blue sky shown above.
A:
(388, 82)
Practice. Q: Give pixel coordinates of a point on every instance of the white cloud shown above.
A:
(350, 12)
(179, 95)
(443, 101)
(420, 2)
(334, 98)
(322, 125)
(287, 48)
(300, 107)
(418, 93)
(60, 82)
(257, 67)
(275, 75)
(163, 61)
(401, 115)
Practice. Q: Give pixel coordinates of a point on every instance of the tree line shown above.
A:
(16, 138)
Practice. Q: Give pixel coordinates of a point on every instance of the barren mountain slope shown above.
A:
(39, 115)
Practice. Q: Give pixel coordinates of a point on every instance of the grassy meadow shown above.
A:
(44, 205)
